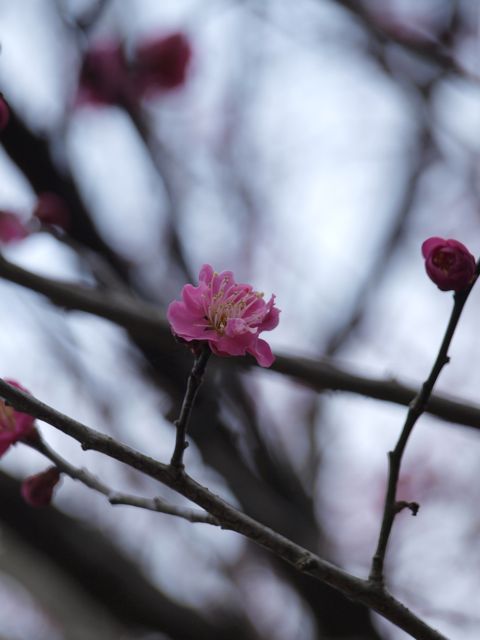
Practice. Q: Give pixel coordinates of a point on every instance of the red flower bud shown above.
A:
(448, 263)
(37, 490)
(161, 63)
(52, 209)
(104, 76)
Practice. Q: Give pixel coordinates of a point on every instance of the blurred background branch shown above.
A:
(310, 149)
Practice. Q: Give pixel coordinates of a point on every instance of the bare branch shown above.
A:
(365, 592)
(117, 497)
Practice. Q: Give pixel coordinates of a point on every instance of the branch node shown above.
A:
(305, 562)
(178, 469)
(376, 574)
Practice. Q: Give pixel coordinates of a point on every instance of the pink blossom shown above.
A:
(104, 75)
(37, 490)
(14, 425)
(449, 264)
(4, 113)
(161, 62)
(229, 316)
(12, 228)
(52, 209)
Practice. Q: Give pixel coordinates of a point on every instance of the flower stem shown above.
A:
(194, 381)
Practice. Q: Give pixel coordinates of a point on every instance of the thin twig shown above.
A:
(193, 384)
(363, 591)
(116, 497)
(417, 407)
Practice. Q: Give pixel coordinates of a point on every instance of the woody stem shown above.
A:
(194, 381)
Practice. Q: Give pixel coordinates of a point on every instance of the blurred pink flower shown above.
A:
(37, 490)
(449, 264)
(11, 228)
(52, 209)
(161, 63)
(229, 316)
(14, 425)
(104, 74)
(4, 113)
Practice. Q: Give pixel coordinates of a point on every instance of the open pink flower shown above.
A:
(449, 264)
(14, 425)
(37, 490)
(229, 316)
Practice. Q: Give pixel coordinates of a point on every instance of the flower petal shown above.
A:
(430, 244)
(272, 318)
(206, 274)
(262, 353)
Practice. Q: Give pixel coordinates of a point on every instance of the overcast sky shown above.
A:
(328, 140)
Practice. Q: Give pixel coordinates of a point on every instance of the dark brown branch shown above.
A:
(148, 322)
(395, 457)
(362, 591)
(125, 311)
(322, 375)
